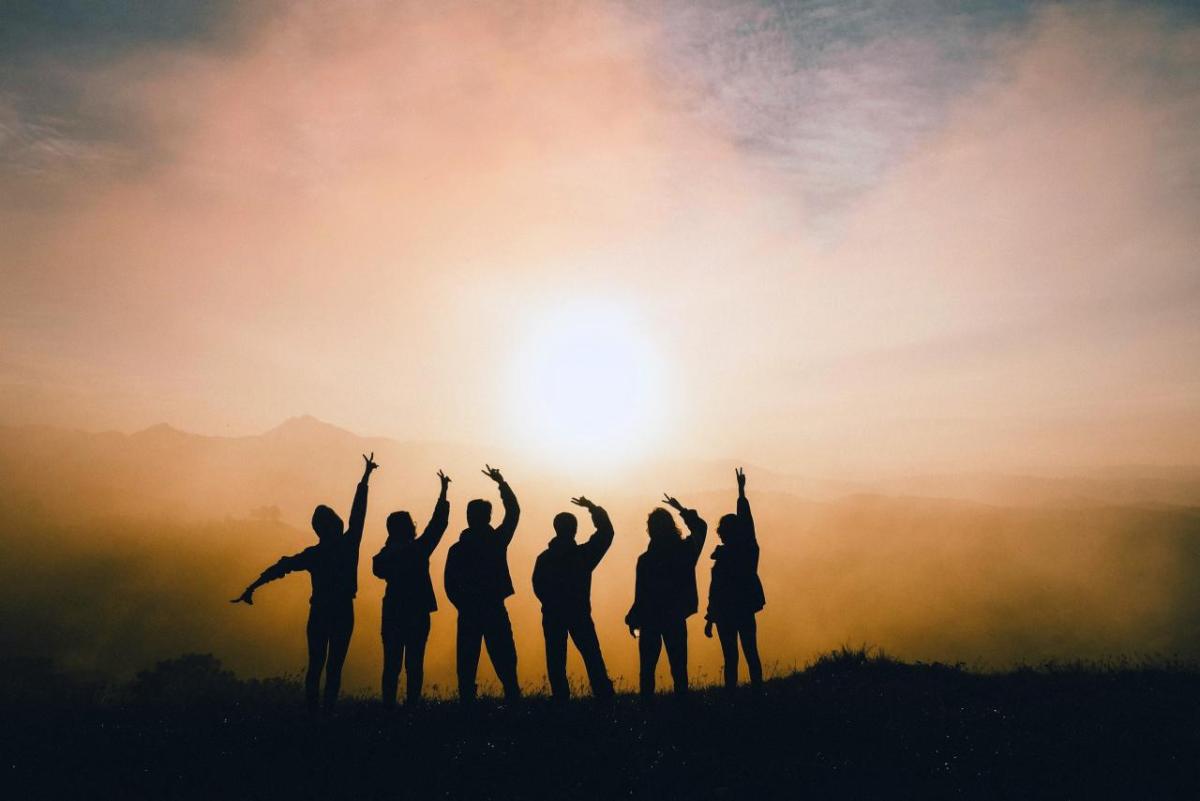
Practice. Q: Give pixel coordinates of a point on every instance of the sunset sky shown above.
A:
(832, 237)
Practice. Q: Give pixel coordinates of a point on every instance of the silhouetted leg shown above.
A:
(498, 636)
(414, 664)
(468, 642)
(555, 632)
(583, 632)
(650, 644)
(727, 633)
(749, 635)
(317, 632)
(393, 657)
(675, 638)
(339, 644)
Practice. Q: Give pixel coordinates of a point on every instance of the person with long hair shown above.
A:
(408, 600)
(665, 593)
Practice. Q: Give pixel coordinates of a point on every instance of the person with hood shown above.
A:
(665, 593)
(562, 581)
(477, 583)
(332, 564)
(735, 594)
(408, 601)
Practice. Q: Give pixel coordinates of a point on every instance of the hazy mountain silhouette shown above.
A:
(163, 470)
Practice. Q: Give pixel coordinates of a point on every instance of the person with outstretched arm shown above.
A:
(735, 594)
(665, 594)
(562, 581)
(408, 600)
(332, 565)
(477, 583)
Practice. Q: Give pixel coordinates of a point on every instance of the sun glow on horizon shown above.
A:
(588, 387)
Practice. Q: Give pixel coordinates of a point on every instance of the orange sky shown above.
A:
(367, 212)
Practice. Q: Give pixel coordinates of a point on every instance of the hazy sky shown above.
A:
(829, 237)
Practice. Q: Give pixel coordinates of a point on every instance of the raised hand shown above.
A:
(672, 502)
(445, 479)
(584, 502)
(370, 464)
(741, 480)
(493, 473)
(246, 597)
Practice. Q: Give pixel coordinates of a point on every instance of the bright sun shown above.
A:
(587, 386)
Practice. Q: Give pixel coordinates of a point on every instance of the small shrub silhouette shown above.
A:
(185, 681)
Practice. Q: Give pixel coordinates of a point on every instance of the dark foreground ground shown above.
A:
(850, 726)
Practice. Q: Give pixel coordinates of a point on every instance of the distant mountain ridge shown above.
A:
(171, 471)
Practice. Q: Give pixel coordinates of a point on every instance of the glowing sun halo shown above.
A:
(587, 385)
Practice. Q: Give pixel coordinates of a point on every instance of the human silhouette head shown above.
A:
(400, 528)
(326, 522)
(660, 525)
(565, 525)
(479, 513)
(728, 528)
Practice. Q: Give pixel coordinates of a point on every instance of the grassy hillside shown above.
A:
(851, 725)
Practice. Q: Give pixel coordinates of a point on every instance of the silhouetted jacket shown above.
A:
(333, 562)
(477, 565)
(665, 589)
(405, 567)
(562, 575)
(735, 588)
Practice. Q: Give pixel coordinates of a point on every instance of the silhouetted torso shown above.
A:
(736, 589)
(405, 568)
(665, 587)
(477, 573)
(562, 575)
(332, 564)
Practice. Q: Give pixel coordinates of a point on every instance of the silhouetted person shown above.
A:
(665, 593)
(332, 565)
(408, 601)
(477, 582)
(736, 594)
(562, 581)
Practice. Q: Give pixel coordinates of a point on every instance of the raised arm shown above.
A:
(697, 528)
(288, 564)
(358, 509)
(428, 541)
(512, 511)
(745, 519)
(600, 541)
